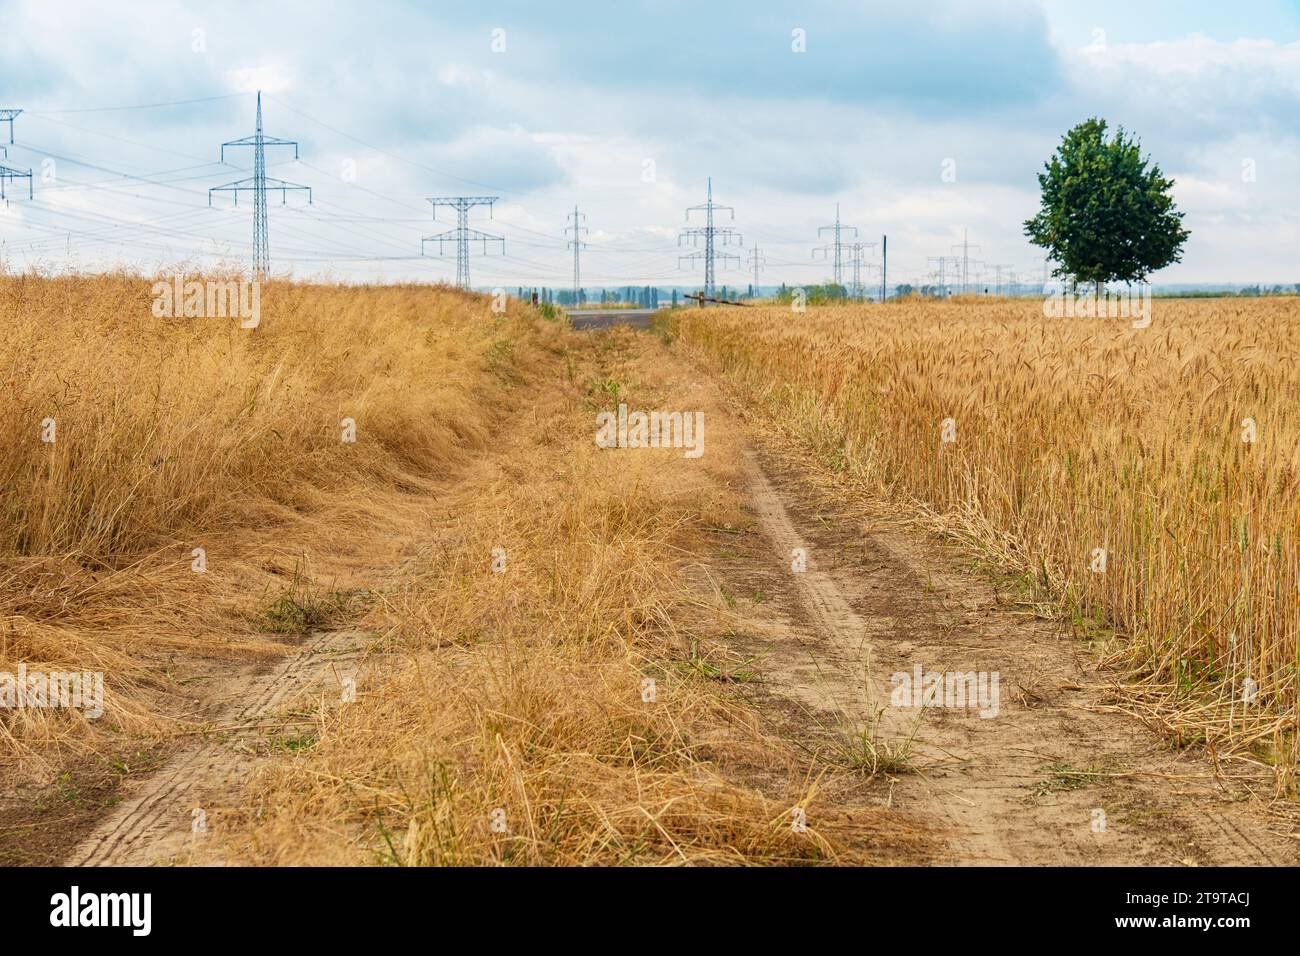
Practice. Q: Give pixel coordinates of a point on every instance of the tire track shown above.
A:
(156, 824)
(1026, 787)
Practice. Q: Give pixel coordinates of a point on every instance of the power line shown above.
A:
(141, 106)
(258, 184)
(462, 234)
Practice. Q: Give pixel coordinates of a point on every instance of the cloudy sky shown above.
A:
(922, 121)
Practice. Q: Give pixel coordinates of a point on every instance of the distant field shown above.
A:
(1173, 448)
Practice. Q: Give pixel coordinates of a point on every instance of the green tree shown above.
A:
(1106, 213)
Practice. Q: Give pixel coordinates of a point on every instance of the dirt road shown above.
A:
(164, 821)
(834, 599)
(1056, 776)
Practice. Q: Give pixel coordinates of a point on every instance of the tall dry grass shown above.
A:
(508, 722)
(1074, 435)
(520, 691)
(174, 434)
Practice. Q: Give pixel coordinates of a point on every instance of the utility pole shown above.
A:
(712, 235)
(462, 234)
(757, 262)
(576, 242)
(258, 184)
(836, 245)
(884, 266)
(965, 248)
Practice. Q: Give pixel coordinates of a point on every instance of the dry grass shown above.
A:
(1072, 435)
(522, 691)
(173, 434)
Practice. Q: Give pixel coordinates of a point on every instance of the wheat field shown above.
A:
(130, 440)
(1171, 448)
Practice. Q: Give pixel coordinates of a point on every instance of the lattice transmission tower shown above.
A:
(965, 248)
(462, 234)
(576, 243)
(258, 184)
(713, 236)
(757, 262)
(998, 267)
(857, 249)
(943, 263)
(836, 245)
(7, 172)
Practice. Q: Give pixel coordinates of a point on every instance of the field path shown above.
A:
(256, 714)
(1060, 776)
(156, 823)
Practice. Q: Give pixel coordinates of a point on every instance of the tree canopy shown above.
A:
(1107, 213)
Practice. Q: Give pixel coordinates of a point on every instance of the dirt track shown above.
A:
(1024, 787)
(1029, 786)
(1019, 788)
(157, 823)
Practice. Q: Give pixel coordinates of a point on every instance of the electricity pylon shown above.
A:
(10, 172)
(757, 262)
(576, 243)
(942, 262)
(258, 184)
(462, 234)
(857, 250)
(965, 248)
(8, 116)
(713, 237)
(998, 267)
(1046, 262)
(836, 246)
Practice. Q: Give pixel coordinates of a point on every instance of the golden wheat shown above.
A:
(1074, 436)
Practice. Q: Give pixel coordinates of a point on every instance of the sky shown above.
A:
(924, 122)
